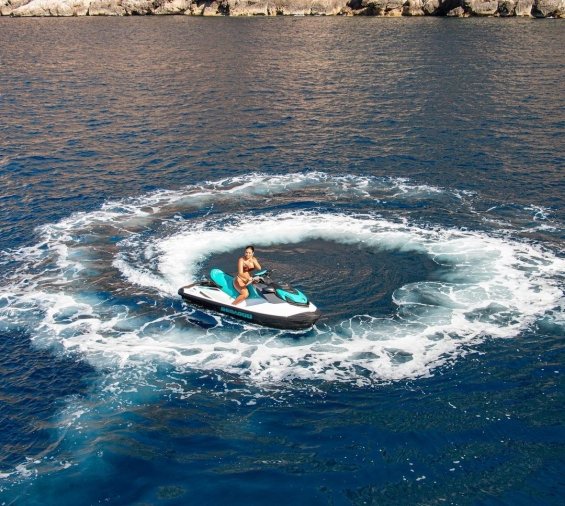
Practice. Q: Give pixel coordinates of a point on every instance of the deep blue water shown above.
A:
(407, 174)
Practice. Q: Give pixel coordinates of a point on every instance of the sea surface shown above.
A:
(406, 174)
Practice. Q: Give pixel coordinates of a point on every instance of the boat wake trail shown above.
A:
(408, 277)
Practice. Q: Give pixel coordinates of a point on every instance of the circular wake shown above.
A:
(402, 291)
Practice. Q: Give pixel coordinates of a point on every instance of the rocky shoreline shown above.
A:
(388, 8)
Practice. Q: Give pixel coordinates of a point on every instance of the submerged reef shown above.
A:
(389, 8)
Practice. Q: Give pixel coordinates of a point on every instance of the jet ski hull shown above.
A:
(261, 310)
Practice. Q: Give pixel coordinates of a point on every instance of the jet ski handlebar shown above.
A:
(263, 272)
(260, 275)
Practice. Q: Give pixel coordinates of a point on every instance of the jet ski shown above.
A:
(269, 303)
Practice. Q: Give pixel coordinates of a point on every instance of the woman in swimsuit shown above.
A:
(245, 265)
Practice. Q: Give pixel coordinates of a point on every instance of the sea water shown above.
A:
(407, 174)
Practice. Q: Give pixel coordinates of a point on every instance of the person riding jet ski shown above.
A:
(253, 298)
(245, 265)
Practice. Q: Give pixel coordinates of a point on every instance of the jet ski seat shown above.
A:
(225, 283)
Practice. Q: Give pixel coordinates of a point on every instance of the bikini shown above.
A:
(245, 269)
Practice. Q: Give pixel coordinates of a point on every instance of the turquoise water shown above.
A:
(406, 174)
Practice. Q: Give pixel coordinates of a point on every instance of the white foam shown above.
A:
(487, 286)
(487, 275)
(23, 471)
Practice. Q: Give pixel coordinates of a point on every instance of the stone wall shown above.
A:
(456, 8)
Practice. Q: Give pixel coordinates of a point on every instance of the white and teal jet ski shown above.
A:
(269, 303)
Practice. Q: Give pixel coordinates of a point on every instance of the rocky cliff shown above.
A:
(458, 8)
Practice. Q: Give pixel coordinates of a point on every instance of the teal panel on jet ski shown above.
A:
(225, 282)
(297, 298)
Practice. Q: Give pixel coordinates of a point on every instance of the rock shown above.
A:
(481, 7)
(549, 8)
(195, 10)
(7, 6)
(456, 8)
(290, 8)
(431, 7)
(106, 8)
(394, 7)
(413, 8)
(524, 8)
(506, 8)
(313, 7)
(444, 6)
(248, 7)
(203, 7)
(173, 7)
(457, 12)
(137, 7)
(213, 8)
(327, 7)
(382, 7)
(62, 8)
(285, 7)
